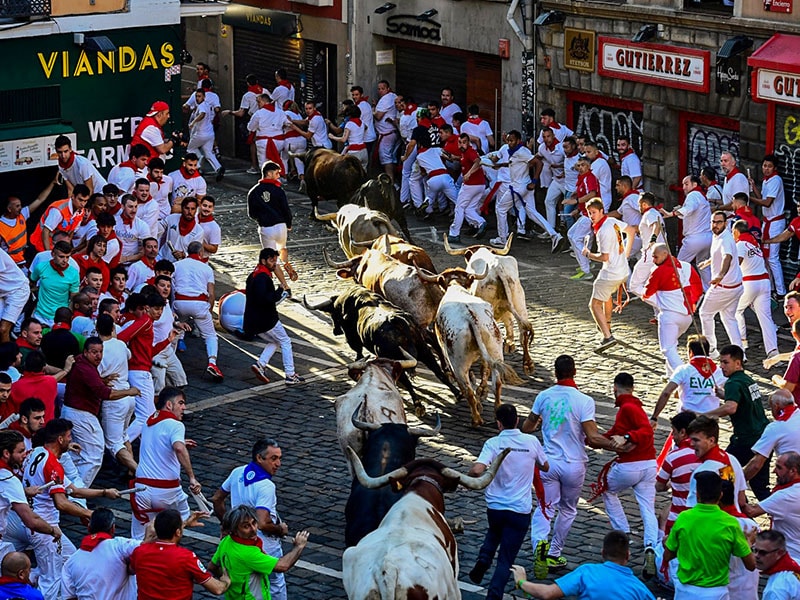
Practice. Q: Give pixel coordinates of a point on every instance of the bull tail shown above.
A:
(501, 372)
(388, 582)
(525, 327)
(505, 373)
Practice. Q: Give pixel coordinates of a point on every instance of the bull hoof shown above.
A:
(508, 348)
(478, 422)
(420, 410)
(528, 368)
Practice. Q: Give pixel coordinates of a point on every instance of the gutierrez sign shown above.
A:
(777, 87)
(668, 66)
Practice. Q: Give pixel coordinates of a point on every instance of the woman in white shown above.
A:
(201, 132)
(294, 142)
(353, 134)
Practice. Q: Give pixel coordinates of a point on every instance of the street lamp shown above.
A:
(384, 8)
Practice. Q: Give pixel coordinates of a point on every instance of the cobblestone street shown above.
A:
(313, 483)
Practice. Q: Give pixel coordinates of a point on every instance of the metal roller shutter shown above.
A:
(423, 73)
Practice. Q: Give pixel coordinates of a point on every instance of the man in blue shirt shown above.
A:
(15, 582)
(611, 580)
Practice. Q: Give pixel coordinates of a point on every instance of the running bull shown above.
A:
(332, 176)
(401, 250)
(381, 195)
(357, 226)
(413, 553)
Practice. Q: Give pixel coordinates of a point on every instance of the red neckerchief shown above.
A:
(276, 182)
(410, 109)
(23, 343)
(58, 269)
(574, 153)
(627, 152)
(718, 454)
(261, 269)
(151, 180)
(747, 237)
(116, 295)
(439, 121)
(77, 313)
(786, 413)
(553, 147)
(151, 263)
(783, 486)
(256, 89)
(626, 398)
(733, 511)
(474, 119)
(149, 197)
(310, 115)
(245, 542)
(130, 164)
(187, 175)
(127, 220)
(784, 563)
(569, 381)
(23, 431)
(704, 365)
(203, 76)
(57, 326)
(160, 415)
(69, 161)
(202, 219)
(555, 125)
(697, 188)
(269, 107)
(712, 183)
(115, 210)
(685, 443)
(196, 257)
(356, 121)
(285, 83)
(744, 212)
(4, 465)
(287, 105)
(596, 226)
(90, 542)
(4, 580)
(733, 172)
(185, 227)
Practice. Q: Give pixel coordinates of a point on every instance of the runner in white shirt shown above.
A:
(142, 270)
(651, 233)
(252, 485)
(212, 233)
(613, 250)
(602, 171)
(357, 94)
(703, 433)
(629, 162)
(479, 130)
(161, 454)
(353, 136)
(772, 199)
(567, 419)
(212, 98)
(268, 123)
(756, 288)
(201, 132)
(772, 560)
(551, 177)
(735, 181)
(125, 174)
(295, 143)
(187, 181)
(317, 134)
(547, 118)
(148, 210)
(385, 117)
(247, 108)
(76, 169)
(448, 108)
(166, 364)
(780, 436)
(180, 230)
(284, 90)
(696, 216)
(628, 210)
(571, 156)
(130, 230)
(723, 295)
(15, 291)
(99, 568)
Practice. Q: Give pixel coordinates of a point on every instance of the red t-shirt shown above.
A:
(165, 570)
(792, 375)
(468, 159)
(84, 262)
(35, 385)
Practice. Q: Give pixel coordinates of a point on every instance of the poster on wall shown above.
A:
(31, 153)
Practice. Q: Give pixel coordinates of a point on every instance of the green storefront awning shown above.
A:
(34, 131)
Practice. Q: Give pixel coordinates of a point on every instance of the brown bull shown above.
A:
(332, 176)
(401, 250)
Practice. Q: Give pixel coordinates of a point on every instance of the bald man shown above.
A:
(16, 568)
(780, 436)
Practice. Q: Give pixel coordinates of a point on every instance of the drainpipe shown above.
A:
(350, 36)
(528, 65)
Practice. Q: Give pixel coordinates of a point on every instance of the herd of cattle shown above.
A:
(405, 311)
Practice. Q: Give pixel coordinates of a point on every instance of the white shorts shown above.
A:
(603, 289)
(150, 502)
(274, 236)
(387, 148)
(13, 301)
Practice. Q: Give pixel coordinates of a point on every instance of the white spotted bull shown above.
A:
(356, 224)
(401, 250)
(413, 553)
(503, 290)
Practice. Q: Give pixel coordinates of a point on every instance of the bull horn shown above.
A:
(326, 217)
(373, 483)
(388, 249)
(362, 425)
(449, 249)
(364, 244)
(477, 483)
(427, 431)
(408, 362)
(335, 265)
(359, 365)
(479, 276)
(503, 251)
(325, 305)
(426, 275)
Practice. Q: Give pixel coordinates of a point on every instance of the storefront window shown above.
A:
(721, 6)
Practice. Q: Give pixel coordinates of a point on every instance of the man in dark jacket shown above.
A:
(268, 206)
(261, 317)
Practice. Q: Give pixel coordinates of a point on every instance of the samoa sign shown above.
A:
(424, 29)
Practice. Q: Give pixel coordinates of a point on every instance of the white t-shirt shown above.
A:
(479, 129)
(696, 392)
(157, 458)
(138, 274)
(160, 193)
(734, 185)
(696, 214)
(182, 187)
(407, 125)
(647, 225)
(782, 586)
(130, 236)
(782, 507)
(518, 166)
(357, 133)
(430, 160)
(563, 409)
(42, 467)
(722, 245)
(511, 487)
(204, 127)
(631, 166)
(115, 362)
(319, 132)
(267, 123)
(602, 171)
(780, 436)
(260, 494)
(149, 212)
(163, 325)
(448, 111)
(752, 259)
(212, 234)
(113, 248)
(11, 276)
(191, 277)
(153, 136)
(124, 177)
(249, 102)
(629, 209)
(11, 492)
(173, 237)
(82, 170)
(739, 482)
(366, 119)
(101, 574)
(553, 160)
(773, 188)
(570, 172)
(611, 241)
(386, 105)
(281, 94)
(212, 99)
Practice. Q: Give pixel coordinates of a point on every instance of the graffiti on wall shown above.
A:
(706, 144)
(605, 125)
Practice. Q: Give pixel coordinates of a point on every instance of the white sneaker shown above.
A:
(497, 242)
(745, 345)
(556, 241)
(714, 355)
(773, 353)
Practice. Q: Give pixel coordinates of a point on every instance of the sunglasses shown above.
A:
(759, 552)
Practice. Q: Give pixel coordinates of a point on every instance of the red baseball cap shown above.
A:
(157, 107)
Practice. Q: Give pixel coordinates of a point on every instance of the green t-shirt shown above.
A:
(704, 538)
(750, 419)
(243, 561)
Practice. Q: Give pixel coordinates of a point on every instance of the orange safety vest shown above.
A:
(69, 222)
(15, 239)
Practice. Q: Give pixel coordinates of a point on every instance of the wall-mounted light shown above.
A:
(735, 46)
(385, 7)
(646, 33)
(428, 14)
(551, 17)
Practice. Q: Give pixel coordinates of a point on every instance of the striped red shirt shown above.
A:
(677, 470)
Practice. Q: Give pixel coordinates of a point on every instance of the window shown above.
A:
(717, 6)
(32, 104)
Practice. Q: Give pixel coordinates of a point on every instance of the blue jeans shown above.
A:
(507, 530)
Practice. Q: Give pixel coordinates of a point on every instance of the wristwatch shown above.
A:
(627, 437)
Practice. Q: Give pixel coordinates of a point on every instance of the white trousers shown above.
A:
(87, 432)
(200, 311)
(144, 403)
(409, 192)
(167, 366)
(577, 239)
(438, 186)
(671, 326)
(468, 204)
(640, 477)
(277, 338)
(756, 295)
(277, 581)
(295, 145)
(685, 591)
(640, 274)
(697, 248)
(12, 302)
(152, 501)
(204, 146)
(773, 252)
(555, 191)
(723, 302)
(72, 473)
(261, 151)
(51, 562)
(562, 490)
(503, 205)
(115, 416)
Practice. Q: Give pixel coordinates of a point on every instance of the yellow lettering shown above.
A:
(127, 59)
(791, 130)
(167, 55)
(148, 60)
(107, 59)
(47, 67)
(83, 66)
(64, 64)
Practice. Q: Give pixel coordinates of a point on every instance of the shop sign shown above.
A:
(778, 87)
(579, 49)
(259, 19)
(412, 26)
(31, 153)
(668, 66)
(781, 6)
(729, 76)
